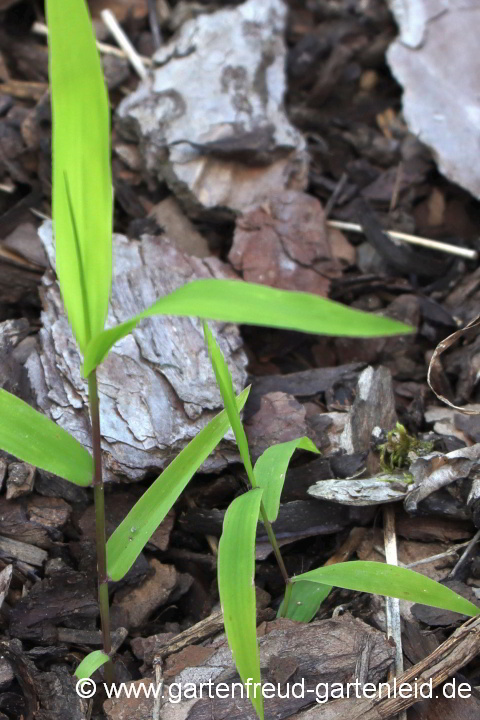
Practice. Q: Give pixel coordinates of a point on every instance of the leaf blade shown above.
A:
(149, 511)
(236, 571)
(270, 470)
(305, 601)
(225, 385)
(251, 304)
(35, 439)
(392, 581)
(90, 664)
(81, 153)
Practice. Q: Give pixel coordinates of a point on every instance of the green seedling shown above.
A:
(394, 453)
(303, 593)
(82, 215)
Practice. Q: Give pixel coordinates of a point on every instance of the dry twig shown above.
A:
(412, 239)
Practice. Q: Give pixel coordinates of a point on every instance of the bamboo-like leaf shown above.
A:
(90, 664)
(270, 470)
(35, 439)
(392, 581)
(251, 304)
(236, 573)
(133, 533)
(304, 601)
(82, 183)
(225, 384)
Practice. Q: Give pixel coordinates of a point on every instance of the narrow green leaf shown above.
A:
(35, 439)
(392, 581)
(82, 183)
(225, 384)
(236, 584)
(90, 664)
(133, 533)
(251, 304)
(270, 470)
(305, 600)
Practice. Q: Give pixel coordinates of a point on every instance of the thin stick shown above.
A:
(392, 605)
(157, 703)
(332, 200)
(440, 556)
(154, 24)
(100, 531)
(412, 239)
(41, 29)
(426, 560)
(466, 556)
(396, 188)
(136, 61)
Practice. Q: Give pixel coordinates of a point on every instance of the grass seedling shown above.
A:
(303, 593)
(82, 214)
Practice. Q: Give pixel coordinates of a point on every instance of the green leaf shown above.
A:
(392, 581)
(90, 664)
(133, 533)
(35, 439)
(270, 470)
(82, 182)
(225, 384)
(236, 575)
(251, 304)
(305, 601)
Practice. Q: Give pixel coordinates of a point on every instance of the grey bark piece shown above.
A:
(5, 578)
(441, 83)
(361, 492)
(374, 406)
(20, 480)
(210, 120)
(413, 16)
(7, 676)
(157, 389)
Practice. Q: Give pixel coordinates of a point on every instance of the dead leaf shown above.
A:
(435, 370)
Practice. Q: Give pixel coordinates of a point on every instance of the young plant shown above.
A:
(395, 451)
(82, 214)
(304, 593)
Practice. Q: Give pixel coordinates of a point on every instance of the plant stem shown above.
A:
(279, 558)
(268, 527)
(100, 530)
(286, 599)
(273, 543)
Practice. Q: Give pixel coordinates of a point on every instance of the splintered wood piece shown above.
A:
(392, 605)
(16, 550)
(461, 647)
(203, 630)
